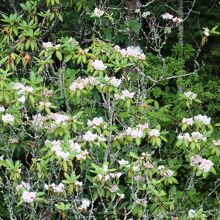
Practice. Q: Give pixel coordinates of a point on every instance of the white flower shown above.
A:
(89, 136)
(45, 104)
(123, 162)
(22, 99)
(38, 121)
(143, 126)
(206, 165)
(85, 204)
(204, 119)
(47, 45)
(161, 167)
(135, 133)
(8, 118)
(59, 118)
(58, 188)
(2, 109)
(136, 168)
(98, 12)
(115, 82)
(191, 213)
(75, 146)
(154, 133)
(197, 136)
(167, 16)
(206, 32)
(185, 136)
(29, 197)
(190, 95)
(127, 94)
(145, 14)
(188, 121)
(203, 164)
(95, 122)
(168, 173)
(98, 65)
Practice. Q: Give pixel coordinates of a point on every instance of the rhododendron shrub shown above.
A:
(82, 137)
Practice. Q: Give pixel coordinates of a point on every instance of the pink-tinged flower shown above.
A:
(203, 164)
(123, 162)
(95, 122)
(98, 65)
(135, 133)
(114, 189)
(177, 20)
(59, 118)
(148, 165)
(89, 136)
(204, 119)
(98, 12)
(187, 121)
(29, 197)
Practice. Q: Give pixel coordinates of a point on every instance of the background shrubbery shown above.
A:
(109, 110)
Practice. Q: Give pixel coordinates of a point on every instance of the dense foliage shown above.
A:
(109, 110)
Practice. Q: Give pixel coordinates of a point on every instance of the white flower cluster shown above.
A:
(90, 137)
(56, 147)
(133, 132)
(8, 118)
(22, 89)
(109, 176)
(38, 121)
(59, 118)
(195, 137)
(154, 133)
(190, 95)
(50, 45)
(168, 16)
(81, 84)
(164, 171)
(45, 104)
(85, 204)
(97, 121)
(203, 164)
(98, 12)
(29, 197)
(131, 51)
(203, 119)
(191, 213)
(187, 121)
(55, 188)
(125, 94)
(98, 65)
(123, 162)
